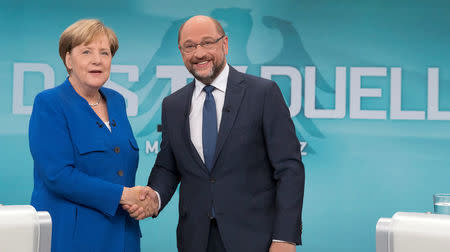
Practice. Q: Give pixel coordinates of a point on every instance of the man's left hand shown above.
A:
(282, 247)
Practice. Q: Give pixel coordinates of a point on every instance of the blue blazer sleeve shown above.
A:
(53, 153)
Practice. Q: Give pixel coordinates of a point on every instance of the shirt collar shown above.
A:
(220, 83)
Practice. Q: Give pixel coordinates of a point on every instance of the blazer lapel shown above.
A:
(233, 97)
(187, 133)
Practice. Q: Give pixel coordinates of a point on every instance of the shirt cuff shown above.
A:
(283, 241)
(159, 200)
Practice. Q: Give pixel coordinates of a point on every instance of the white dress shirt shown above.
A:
(108, 125)
(196, 113)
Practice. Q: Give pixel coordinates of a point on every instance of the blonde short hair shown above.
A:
(85, 31)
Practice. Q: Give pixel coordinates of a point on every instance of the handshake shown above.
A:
(140, 202)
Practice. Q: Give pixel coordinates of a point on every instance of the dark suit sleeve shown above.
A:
(284, 153)
(164, 177)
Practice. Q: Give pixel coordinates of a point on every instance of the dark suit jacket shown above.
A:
(256, 184)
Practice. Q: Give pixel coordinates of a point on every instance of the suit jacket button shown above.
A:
(120, 173)
(116, 149)
(212, 180)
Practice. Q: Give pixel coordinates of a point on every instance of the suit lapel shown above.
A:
(233, 97)
(187, 127)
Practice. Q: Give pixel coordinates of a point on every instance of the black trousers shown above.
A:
(215, 243)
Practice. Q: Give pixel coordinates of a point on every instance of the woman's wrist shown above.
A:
(124, 198)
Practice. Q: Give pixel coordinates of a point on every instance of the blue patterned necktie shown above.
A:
(209, 134)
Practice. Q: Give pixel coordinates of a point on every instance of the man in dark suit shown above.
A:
(228, 138)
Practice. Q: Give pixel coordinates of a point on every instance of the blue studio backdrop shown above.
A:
(366, 82)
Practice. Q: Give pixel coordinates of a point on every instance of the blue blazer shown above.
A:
(80, 169)
(257, 182)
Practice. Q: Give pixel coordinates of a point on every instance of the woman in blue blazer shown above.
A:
(85, 154)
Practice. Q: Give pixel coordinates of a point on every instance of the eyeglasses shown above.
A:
(207, 44)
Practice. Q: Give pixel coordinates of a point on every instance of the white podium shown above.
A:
(22, 229)
(413, 232)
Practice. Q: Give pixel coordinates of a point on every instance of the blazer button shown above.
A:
(120, 173)
(116, 149)
(212, 180)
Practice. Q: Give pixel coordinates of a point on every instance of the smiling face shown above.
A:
(204, 64)
(90, 64)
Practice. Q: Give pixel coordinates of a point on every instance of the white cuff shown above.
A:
(159, 200)
(283, 241)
